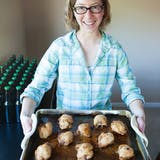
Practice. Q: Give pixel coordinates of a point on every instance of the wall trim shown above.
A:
(147, 104)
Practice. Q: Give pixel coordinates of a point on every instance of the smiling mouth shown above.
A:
(89, 23)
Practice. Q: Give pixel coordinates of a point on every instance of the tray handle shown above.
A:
(134, 125)
(25, 140)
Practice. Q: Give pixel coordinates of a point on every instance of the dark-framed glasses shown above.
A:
(92, 9)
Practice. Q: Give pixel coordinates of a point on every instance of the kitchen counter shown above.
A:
(11, 136)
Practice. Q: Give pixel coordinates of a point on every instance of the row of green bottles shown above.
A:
(2, 110)
(11, 109)
(18, 68)
(7, 63)
(15, 75)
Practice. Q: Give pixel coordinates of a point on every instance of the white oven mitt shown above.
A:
(26, 138)
(134, 125)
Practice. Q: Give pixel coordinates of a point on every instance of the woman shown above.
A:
(85, 62)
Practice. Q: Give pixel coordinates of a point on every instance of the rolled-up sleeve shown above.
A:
(45, 74)
(126, 79)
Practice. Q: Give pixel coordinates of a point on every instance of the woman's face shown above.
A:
(89, 14)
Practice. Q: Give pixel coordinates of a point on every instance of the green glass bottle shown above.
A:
(1, 70)
(2, 111)
(21, 83)
(18, 104)
(9, 106)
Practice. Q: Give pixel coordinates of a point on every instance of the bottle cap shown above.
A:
(6, 88)
(3, 78)
(13, 64)
(34, 60)
(22, 65)
(19, 67)
(25, 74)
(21, 83)
(24, 78)
(26, 71)
(10, 83)
(10, 67)
(1, 82)
(18, 88)
(31, 65)
(7, 70)
(29, 68)
(1, 68)
(17, 70)
(15, 74)
(26, 60)
(13, 78)
(5, 74)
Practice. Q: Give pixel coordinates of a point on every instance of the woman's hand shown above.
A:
(137, 109)
(28, 107)
(141, 124)
(26, 122)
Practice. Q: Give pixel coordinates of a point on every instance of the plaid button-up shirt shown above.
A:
(80, 87)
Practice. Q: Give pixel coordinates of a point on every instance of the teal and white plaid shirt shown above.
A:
(80, 87)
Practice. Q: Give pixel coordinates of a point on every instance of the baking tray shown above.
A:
(134, 137)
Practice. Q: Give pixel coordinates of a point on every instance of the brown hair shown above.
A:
(70, 19)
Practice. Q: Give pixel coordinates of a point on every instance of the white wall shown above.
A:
(136, 24)
(12, 35)
(44, 22)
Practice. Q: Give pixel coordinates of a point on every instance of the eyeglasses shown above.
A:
(92, 9)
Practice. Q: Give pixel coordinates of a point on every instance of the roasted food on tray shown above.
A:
(43, 152)
(84, 130)
(125, 152)
(119, 127)
(105, 139)
(65, 121)
(65, 138)
(45, 130)
(74, 136)
(84, 151)
(100, 120)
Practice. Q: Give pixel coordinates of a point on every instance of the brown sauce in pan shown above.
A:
(69, 152)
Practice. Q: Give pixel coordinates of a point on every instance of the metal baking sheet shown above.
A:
(69, 152)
